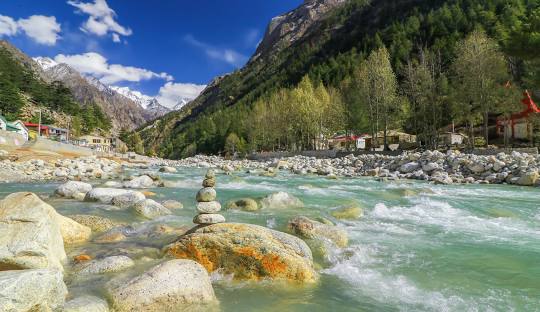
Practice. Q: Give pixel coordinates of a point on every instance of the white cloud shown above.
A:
(42, 29)
(225, 55)
(173, 93)
(8, 26)
(101, 20)
(96, 65)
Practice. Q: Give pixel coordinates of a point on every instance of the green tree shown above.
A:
(10, 100)
(232, 144)
(382, 93)
(480, 72)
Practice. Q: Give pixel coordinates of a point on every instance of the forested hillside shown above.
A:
(366, 66)
(21, 85)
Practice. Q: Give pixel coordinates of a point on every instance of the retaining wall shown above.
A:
(10, 140)
(57, 147)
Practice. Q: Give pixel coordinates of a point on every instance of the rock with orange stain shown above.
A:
(247, 251)
(149, 194)
(81, 258)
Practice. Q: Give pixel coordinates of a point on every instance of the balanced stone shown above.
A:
(210, 174)
(206, 194)
(209, 219)
(209, 182)
(208, 207)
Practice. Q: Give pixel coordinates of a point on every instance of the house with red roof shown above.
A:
(519, 125)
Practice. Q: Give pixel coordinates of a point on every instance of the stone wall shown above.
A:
(338, 154)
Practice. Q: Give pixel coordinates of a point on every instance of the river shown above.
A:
(418, 247)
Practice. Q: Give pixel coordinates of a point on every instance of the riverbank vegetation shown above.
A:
(418, 66)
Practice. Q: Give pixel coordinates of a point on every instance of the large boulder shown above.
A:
(352, 212)
(95, 223)
(245, 204)
(106, 265)
(311, 229)
(86, 304)
(167, 169)
(281, 200)
(72, 231)
(247, 252)
(104, 195)
(409, 167)
(150, 209)
(143, 181)
(528, 179)
(172, 204)
(32, 290)
(127, 200)
(30, 236)
(72, 188)
(169, 286)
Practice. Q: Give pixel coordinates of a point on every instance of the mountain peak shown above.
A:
(45, 62)
(286, 29)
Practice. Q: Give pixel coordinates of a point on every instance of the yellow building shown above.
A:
(97, 143)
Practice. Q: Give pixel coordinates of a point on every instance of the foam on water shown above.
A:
(387, 288)
(430, 212)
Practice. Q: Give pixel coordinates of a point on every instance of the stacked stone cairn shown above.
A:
(207, 206)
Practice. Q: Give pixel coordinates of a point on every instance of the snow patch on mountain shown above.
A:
(45, 62)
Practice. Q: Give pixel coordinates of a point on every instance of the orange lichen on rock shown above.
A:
(81, 258)
(247, 252)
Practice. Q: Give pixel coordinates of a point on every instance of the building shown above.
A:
(395, 140)
(35, 129)
(342, 142)
(3, 123)
(18, 127)
(451, 138)
(58, 134)
(97, 143)
(519, 125)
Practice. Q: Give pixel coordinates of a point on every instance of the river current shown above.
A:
(418, 247)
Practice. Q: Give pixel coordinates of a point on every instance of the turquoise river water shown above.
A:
(418, 247)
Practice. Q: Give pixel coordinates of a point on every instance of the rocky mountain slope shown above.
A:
(124, 112)
(284, 31)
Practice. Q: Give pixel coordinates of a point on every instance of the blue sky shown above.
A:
(148, 46)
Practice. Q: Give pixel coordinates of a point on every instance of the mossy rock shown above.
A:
(244, 204)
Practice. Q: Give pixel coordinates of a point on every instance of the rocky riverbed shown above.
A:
(291, 241)
(452, 167)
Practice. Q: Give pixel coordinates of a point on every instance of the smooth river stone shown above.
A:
(206, 194)
(210, 174)
(208, 219)
(208, 207)
(209, 182)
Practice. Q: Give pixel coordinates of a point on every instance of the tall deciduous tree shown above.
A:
(382, 90)
(480, 72)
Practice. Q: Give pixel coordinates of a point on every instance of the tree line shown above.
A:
(421, 43)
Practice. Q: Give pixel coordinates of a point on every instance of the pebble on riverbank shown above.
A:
(207, 206)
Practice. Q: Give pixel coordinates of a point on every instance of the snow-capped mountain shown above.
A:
(124, 113)
(45, 62)
(152, 106)
(133, 95)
